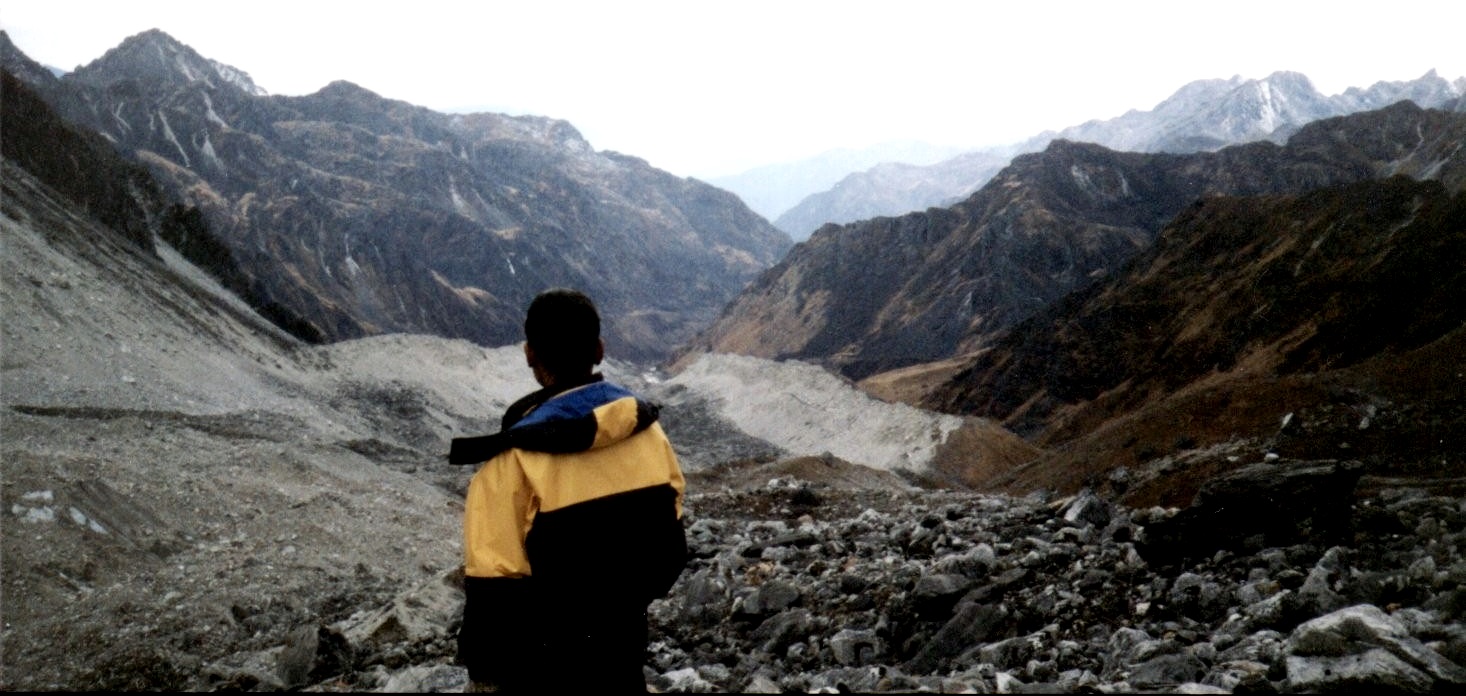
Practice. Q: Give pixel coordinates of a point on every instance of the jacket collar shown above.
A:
(521, 408)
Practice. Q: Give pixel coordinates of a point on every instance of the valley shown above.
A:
(1117, 421)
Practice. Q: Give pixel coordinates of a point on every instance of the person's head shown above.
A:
(562, 332)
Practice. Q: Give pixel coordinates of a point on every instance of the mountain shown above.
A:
(890, 292)
(772, 189)
(1313, 325)
(1429, 90)
(345, 214)
(1200, 116)
(891, 189)
(1209, 114)
(22, 67)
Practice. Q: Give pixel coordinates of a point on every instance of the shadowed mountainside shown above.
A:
(892, 292)
(1342, 307)
(362, 215)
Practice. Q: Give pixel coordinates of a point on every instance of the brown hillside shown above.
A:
(1324, 305)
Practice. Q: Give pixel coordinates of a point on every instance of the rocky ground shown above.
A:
(814, 589)
(831, 580)
(191, 501)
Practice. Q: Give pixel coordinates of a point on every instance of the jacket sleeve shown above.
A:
(497, 639)
(497, 514)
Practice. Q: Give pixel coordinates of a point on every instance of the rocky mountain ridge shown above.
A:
(1204, 115)
(886, 293)
(892, 188)
(1211, 114)
(772, 189)
(348, 214)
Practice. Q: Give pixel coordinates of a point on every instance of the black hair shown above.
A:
(563, 329)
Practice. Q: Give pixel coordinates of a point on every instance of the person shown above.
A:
(572, 525)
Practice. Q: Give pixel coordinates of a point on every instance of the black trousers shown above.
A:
(520, 636)
(601, 649)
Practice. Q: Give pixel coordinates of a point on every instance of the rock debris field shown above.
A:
(802, 586)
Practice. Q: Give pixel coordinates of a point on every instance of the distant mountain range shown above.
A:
(1201, 116)
(1142, 315)
(892, 189)
(343, 214)
(771, 190)
(891, 292)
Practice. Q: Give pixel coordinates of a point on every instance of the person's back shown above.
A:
(572, 526)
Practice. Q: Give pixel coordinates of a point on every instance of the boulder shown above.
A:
(1267, 504)
(1362, 646)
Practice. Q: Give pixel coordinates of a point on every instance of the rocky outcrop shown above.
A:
(889, 292)
(1263, 504)
(359, 215)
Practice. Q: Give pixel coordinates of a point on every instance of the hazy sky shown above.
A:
(703, 88)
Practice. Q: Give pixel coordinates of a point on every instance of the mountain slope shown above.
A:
(890, 292)
(362, 215)
(1342, 306)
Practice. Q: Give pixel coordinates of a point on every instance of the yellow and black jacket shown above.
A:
(576, 508)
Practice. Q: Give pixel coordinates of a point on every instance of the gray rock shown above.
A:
(1349, 639)
(861, 610)
(1234, 675)
(312, 653)
(762, 684)
(973, 624)
(704, 598)
(935, 593)
(1166, 672)
(1195, 688)
(420, 679)
(853, 647)
(1011, 653)
(1086, 509)
(1306, 501)
(769, 598)
(782, 630)
(1375, 668)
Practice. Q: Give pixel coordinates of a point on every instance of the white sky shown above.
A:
(704, 88)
